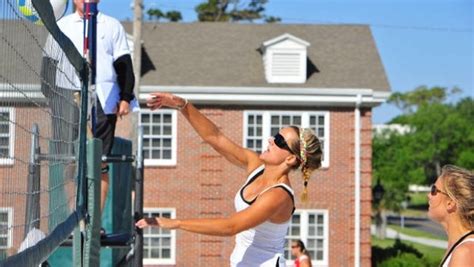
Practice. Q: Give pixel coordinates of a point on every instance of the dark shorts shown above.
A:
(65, 122)
(105, 129)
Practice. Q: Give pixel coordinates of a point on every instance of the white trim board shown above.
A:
(308, 97)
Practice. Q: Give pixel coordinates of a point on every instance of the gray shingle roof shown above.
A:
(225, 54)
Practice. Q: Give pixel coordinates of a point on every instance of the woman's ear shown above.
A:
(291, 160)
(451, 206)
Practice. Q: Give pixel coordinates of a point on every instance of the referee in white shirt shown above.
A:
(114, 83)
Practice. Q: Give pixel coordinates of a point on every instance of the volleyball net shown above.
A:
(42, 133)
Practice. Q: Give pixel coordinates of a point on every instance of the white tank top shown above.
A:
(446, 263)
(264, 244)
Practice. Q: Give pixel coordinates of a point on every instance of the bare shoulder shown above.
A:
(253, 161)
(463, 254)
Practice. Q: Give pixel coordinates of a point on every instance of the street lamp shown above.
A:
(377, 193)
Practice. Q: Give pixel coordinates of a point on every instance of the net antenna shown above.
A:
(90, 54)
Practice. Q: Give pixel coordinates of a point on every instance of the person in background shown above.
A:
(114, 84)
(298, 250)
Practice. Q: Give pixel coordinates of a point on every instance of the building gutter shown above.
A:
(357, 182)
(251, 96)
(244, 96)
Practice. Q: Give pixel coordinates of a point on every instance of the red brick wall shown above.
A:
(13, 178)
(203, 185)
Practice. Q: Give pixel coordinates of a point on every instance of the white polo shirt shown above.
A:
(111, 44)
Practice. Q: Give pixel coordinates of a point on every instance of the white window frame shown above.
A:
(174, 129)
(305, 115)
(172, 260)
(9, 211)
(11, 150)
(304, 234)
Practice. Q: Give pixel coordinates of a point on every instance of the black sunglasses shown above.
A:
(281, 143)
(434, 191)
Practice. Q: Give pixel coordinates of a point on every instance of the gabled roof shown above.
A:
(228, 55)
(285, 37)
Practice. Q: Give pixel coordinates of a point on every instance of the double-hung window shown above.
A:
(6, 216)
(310, 226)
(7, 135)
(260, 125)
(159, 137)
(159, 245)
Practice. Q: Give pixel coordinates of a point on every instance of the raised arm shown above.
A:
(207, 130)
(273, 202)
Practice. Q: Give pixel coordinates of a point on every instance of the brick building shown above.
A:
(251, 80)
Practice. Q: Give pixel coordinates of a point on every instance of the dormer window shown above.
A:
(284, 58)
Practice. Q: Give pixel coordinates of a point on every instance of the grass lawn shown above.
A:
(415, 213)
(418, 200)
(413, 232)
(431, 254)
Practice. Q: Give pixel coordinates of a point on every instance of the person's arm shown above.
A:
(207, 130)
(126, 81)
(125, 77)
(463, 255)
(272, 202)
(48, 75)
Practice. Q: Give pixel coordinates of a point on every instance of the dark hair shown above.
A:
(300, 244)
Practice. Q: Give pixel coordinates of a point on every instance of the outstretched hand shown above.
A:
(157, 222)
(159, 100)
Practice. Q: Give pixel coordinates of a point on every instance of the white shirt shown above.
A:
(111, 44)
(264, 244)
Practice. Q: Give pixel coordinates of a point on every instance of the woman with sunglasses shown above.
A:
(298, 250)
(265, 203)
(451, 203)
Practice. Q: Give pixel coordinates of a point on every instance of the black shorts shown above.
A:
(105, 129)
(65, 122)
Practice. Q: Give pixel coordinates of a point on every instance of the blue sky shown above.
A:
(421, 42)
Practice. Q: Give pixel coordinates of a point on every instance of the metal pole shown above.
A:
(137, 62)
(33, 198)
(90, 52)
(138, 258)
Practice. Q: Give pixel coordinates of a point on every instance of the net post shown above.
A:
(91, 255)
(33, 200)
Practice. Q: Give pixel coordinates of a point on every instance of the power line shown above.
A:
(315, 21)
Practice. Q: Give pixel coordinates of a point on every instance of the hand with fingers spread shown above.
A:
(159, 100)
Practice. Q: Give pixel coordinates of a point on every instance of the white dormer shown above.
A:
(284, 59)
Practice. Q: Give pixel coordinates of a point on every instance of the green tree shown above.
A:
(422, 95)
(233, 10)
(439, 133)
(154, 14)
(173, 16)
(272, 19)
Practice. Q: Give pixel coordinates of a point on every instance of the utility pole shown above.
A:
(137, 6)
(137, 39)
(137, 66)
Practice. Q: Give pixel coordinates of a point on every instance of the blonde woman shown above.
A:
(265, 203)
(451, 203)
